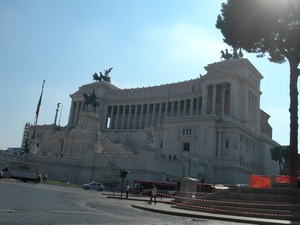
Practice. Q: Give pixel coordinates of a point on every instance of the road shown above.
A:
(30, 203)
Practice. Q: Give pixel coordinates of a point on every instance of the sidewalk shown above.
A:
(166, 207)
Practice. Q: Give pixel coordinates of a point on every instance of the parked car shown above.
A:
(93, 185)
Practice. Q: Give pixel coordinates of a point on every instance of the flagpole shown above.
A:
(37, 111)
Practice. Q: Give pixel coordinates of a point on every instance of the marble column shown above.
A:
(159, 112)
(111, 116)
(223, 99)
(172, 109)
(191, 106)
(134, 117)
(117, 117)
(214, 98)
(153, 114)
(147, 115)
(72, 113)
(204, 100)
(197, 105)
(141, 116)
(123, 116)
(129, 115)
(219, 148)
(76, 113)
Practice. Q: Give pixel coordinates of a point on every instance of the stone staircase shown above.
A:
(280, 202)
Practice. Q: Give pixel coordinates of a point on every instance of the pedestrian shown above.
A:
(141, 190)
(39, 178)
(127, 190)
(45, 178)
(1, 174)
(153, 194)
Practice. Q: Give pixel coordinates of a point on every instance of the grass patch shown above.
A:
(62, 183)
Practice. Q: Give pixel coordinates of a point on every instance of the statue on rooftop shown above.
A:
(226, 55)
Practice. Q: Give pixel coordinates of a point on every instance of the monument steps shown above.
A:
(277, 203)
(244, 211)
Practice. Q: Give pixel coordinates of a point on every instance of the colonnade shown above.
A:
(214, 100)
(139, 116)
(253, 108)
(76, 108)
(217, 99)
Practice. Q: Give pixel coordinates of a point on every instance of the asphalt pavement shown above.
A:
(69, 206)
(165, 205)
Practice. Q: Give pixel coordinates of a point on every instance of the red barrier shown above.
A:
(257, 181)
(263, 181)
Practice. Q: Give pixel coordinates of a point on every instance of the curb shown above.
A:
(166, 207)
(252, 220)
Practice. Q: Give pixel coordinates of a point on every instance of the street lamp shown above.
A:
(123, 174)
(114, 184)
(163, 180)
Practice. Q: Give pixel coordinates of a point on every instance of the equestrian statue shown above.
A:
(104, 77)
(91, 100)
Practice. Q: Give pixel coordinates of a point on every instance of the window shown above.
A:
(186, 131)
(227, 144)
(186, 147)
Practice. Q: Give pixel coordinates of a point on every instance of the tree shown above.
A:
(282, 155)
(273, 27)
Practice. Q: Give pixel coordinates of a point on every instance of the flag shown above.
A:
(40, 102)
(38, 106)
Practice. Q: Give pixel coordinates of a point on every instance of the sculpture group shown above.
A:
(104, 77)
(226, 55)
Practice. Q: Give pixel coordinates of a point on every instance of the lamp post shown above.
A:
(123, 174)
(163, 180)
(114, 184)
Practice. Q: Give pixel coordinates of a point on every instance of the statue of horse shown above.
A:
(96, 77)
(104, 77)
(91, 100)
(226, 55)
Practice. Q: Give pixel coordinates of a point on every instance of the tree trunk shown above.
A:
(293, 164)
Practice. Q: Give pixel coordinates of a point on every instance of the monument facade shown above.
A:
(210, 128)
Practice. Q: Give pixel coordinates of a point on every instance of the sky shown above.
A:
(147, 42)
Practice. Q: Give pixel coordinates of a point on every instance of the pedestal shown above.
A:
(32, 146)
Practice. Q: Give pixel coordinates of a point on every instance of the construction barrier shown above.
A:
(264, 181)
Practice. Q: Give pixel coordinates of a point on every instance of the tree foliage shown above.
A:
(281, 154)
(273, 27)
